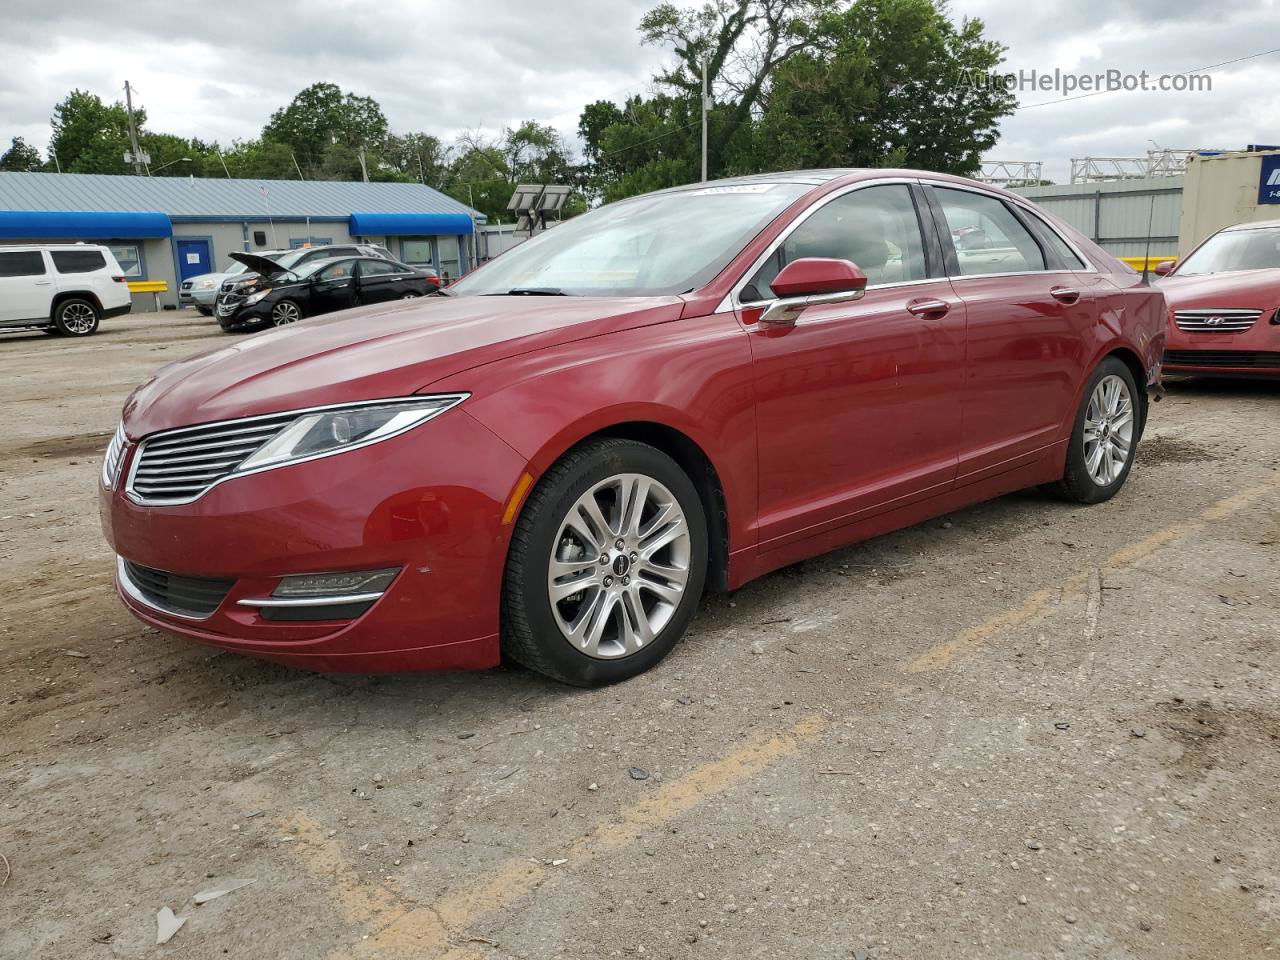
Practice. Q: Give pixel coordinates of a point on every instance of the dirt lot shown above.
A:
(1026, 730)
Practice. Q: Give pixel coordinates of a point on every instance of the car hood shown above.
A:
(259, 265)
(1248, 289)
(371, 353)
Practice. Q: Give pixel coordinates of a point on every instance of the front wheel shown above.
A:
(77, 317)
(606, 565)
(1105, 438)
(284, 313)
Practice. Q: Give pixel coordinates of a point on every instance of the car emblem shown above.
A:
(621, 565)
(1212, 321)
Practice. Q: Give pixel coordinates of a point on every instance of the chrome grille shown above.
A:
(111, 459)
(180, 465)
(1216, 321)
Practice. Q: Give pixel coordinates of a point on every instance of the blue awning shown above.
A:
(410, 224)
(36, 224)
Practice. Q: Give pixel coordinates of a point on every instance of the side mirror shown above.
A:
(1165, 268)
(810, 282)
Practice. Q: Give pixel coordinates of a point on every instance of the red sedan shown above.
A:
(1225, 297)
(679, 391)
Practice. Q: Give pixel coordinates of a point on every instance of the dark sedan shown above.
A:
(280, 296)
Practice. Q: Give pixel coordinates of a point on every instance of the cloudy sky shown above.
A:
(445, 66)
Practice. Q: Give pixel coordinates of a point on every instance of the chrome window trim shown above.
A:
(1089, 266)
(731, 301)
(456, 399)
(130, 590)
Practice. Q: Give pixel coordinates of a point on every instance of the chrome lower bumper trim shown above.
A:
(327, 601)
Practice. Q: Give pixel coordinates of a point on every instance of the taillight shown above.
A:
(120, 279)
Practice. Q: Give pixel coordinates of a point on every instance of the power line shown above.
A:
(1184, 73)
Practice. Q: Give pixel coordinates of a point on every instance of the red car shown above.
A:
(682, 390)
(1225, 297)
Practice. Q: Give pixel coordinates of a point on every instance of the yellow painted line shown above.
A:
(1038, 603)
(439, 930)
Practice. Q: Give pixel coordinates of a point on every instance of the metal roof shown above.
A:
(184, 198)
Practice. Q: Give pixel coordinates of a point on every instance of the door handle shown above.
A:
(929, 308)
(43, 283)
(1067, 295)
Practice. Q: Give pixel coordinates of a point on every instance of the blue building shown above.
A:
(170, 228)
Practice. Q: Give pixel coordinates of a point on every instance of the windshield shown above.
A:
(1235, 250)
(649, 246)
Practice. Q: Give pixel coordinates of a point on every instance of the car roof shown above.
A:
(1256, 225)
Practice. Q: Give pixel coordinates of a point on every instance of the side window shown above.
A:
(22, 263)
(1065, 255)
(377, 268)
(987, 236)
(337, 271)
(78, 261)
(875, 227)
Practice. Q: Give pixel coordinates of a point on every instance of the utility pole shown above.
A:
(294, 158)
(704, 120)
(133, 130)
(364, 167)
(218, 151)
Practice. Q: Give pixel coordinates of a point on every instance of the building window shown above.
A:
(417, 252)
(129, 256)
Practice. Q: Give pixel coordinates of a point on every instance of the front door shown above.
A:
(1030, 316)
(194, 257)
(333, 288)
(857, 404)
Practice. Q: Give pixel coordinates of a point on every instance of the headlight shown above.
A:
(206, 284)
(255, 297)
(325, 432)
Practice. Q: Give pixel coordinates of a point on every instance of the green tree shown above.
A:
(887, 87)
(21, 157)
(321, 117)
(90, 136)
(417, 157)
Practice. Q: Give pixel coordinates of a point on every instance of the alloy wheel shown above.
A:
(1108, 430)
(619, 566)
(78, 317)
(285, 312)
(409, 296)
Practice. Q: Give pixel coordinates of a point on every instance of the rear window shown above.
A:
(21, 263)
(78, 261)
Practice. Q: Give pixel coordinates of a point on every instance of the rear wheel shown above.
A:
(606, 565)
(284, 313)
(77, 317)
(1105, 438)
(204, 311)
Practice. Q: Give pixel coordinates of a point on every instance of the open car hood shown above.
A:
(260, 265)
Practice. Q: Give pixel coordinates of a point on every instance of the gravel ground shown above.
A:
(1028, 729)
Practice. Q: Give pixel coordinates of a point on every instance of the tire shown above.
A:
(286, 312)
(632, 608)
(77, 317)
(410, 296)
(204, 311)
(1099, 458)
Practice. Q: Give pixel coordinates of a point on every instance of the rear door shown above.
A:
(26, 286)
(1031, 308)
(381, 280)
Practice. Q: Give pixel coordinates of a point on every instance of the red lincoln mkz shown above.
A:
(685, 389)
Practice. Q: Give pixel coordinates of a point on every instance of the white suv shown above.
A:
(63, 288)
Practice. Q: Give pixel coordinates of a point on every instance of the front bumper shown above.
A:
(194, 297)
(429, 502)
(1251, 353)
